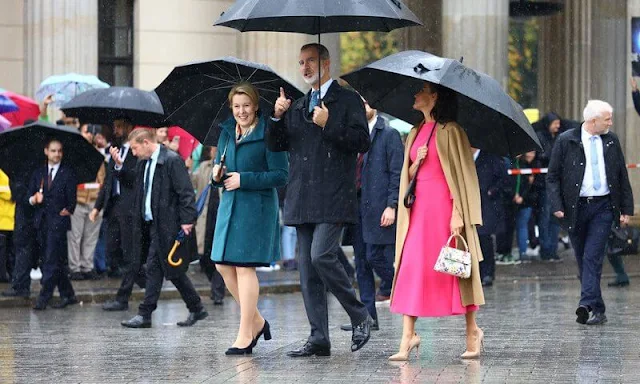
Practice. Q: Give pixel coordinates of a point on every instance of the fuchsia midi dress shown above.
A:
(420, 291)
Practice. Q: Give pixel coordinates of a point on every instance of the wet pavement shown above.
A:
(530, 336)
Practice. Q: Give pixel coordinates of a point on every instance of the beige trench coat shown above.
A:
(460, 172)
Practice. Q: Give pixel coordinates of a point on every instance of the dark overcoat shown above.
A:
(492, 172)
(61, 195)
(322, 161)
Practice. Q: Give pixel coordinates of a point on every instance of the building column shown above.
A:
(60, 37)
(428, 37)
(478, 31)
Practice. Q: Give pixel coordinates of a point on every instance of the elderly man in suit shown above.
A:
(52, 192)
(589, 191)
(323, 132)
(164, 204)
(115, 200)
(377, 186)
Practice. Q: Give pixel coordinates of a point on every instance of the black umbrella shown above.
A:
(194, 96)
(493, 120)
(103, 106)
(317, 16)
(22, 151)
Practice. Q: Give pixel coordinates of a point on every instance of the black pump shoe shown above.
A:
(266, 331)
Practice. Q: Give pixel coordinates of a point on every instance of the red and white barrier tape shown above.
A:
(535, 171)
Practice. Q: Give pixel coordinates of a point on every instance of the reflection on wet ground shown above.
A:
(530, 336)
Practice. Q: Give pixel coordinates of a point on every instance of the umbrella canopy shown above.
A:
(22, 151)
(493, 120)
(27, 108)
(66, 87)
(4, 123)
(103, 106)
(6, 104)
(194, 95)
(318, 16)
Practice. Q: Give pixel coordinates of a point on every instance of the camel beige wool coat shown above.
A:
(460, 172)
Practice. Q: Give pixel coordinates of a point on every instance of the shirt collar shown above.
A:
(586, 136)
(324, 88)
(55, 167)
(373, 122)
(155, 154)
(476, 154)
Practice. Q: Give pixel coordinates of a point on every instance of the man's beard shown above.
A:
(314, 79)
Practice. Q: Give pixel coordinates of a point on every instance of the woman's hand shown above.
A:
(232, 182)
(422, 153)
(215, 173)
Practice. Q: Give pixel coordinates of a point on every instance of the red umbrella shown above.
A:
(28, 109)
(187, 142)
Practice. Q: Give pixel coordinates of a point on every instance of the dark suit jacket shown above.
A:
(61, 195)
(172, 204)
(322, 162)
(127, 178)
(492, 172)
(566, 171)
(380, 182)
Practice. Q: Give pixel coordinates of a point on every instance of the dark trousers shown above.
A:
(320, 270)
(504, 239)
(488, 265)
(55, 264)
(618, 267)
(26, 250)
(549, 228)
(155, 277)
(100, 254)
(218, 289)
(7, 257)
(589, 240)
(120, 243)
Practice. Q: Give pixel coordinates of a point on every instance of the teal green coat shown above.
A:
(247, 230)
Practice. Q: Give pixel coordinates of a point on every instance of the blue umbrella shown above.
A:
(6, 104)
(66, 87)
(181, 235)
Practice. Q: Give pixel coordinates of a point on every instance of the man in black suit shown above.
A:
(323, 131)
(116, 201)
(589, 191)
(164, 204)
(52, 192)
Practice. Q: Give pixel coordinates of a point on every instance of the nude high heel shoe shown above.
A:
(479, 347)
(404, 355)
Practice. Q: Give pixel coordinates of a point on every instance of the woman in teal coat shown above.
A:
(247, 233)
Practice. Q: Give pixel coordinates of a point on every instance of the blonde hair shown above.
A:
(139, 135)
(595, 109)
(245, 89)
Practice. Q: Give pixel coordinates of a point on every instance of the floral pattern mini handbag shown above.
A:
(453, 261)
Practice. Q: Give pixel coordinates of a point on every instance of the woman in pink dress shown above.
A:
(447, 202)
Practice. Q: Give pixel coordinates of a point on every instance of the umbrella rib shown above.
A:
(251, 75)
(212, 123)
(224, 71)
(219, 78)
(193, 97)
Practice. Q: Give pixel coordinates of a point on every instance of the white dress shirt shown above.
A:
(148, 215)
(372, 123)
(55, 168)
(587, 189)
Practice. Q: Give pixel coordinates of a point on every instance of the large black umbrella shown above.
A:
(103, 106)
(317, 16)
(493, 120)
(22, 151)
(194, 96)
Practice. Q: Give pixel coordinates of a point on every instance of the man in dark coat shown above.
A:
(377, 186)
(492, 172)
(52, 192)
(164, 204)
(589, 190)
(116, 199)
(323, 132)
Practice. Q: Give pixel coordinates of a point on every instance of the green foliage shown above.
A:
(362, 48)
(523, 62)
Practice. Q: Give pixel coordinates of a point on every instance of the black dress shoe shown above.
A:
(115, 305)
(361, 334)
(13, 293)
(618, 284)
(582, 314)
(218, 301)
(64, 302)
(40, 305)
(597, 319)
(137, 322)
(193, 318)
(310, 349)
(349, 327)
(487, 281)
(233, 351)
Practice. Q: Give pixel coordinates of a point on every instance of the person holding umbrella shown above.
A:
(447, 202)
(247, 228)
(52, 192)
(164, 204)
(323, 132)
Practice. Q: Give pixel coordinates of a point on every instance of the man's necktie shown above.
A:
(595, 170)
(315, 100)
(50, 178)
(146, 188)
(359, 164)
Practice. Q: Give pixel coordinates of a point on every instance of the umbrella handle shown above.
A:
(170, 257)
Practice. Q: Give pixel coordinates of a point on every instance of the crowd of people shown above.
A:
(289, 186)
